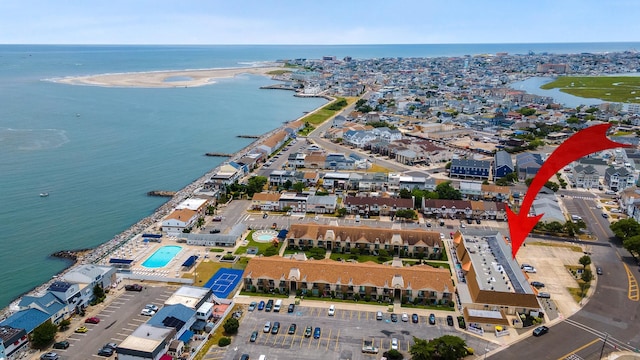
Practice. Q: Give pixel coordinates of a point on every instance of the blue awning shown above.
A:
(186, 336)
(120, 261)
(283, 233)
(190, 261)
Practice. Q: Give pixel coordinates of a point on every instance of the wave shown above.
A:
(32, 139)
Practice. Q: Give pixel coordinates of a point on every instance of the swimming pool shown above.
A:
(162, 256)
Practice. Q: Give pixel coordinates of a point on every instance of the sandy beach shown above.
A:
(165, 79)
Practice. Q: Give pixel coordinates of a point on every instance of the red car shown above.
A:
(92, 320)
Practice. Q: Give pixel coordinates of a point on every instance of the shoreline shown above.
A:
(163, 78)
(94, 255)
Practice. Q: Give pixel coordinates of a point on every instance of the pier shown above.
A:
(248, 136)
(162, 193)
(218, 154)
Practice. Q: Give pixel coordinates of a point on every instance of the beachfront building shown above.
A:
(195, 204)
(492, 289)
(225, 175)
(227, 239)
(179, 220)
(419, 284)
(13, 343)
(89, 275)
(368, 240)
(376, 205)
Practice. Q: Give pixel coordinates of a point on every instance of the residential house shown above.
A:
(618, 178)
(480, 169)
(338, 161)
(528, 165)
(420, 284)
(274, 142)
(503, 164)
(546, 204)
(90, 275)
(57, 309)
(174, 223)
(278, 178)
(358, 138)
(586, 177)
(195, 204)
(335, 181)
(296, 160)
(322, 204)
(315, 160)
(376, 205)
(265, 201)
(27, 319)
(225, 175)
(297, 202)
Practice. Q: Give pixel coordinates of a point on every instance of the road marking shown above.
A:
(580, 348)
(337, 340)
(633, 294)
(329, 339)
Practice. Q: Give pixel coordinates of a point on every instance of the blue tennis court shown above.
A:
(224, 281)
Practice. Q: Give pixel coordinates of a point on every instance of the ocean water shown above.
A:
(98, 150)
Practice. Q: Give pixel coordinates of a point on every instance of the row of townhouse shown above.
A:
(500, 166)
(420, 284)
(69, 294)
(464, 209)
(296, 202)
(366, 239)
(360, 138)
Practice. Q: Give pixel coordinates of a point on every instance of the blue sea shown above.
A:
(98, 150)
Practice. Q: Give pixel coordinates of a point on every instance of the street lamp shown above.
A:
(486, 350)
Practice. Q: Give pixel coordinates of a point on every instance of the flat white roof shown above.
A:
(485, 314)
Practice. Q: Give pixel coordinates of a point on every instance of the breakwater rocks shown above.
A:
(218, 154)
(71, 255)
(162, 193)
(249, 136)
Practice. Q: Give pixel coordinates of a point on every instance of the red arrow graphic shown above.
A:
(582, 143)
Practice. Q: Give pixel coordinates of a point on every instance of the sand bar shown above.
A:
(165, 79)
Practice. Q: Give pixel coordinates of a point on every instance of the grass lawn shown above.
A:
(361, 258)
(608, 88)
(572, 247)
(278, 72)
(324, 113)
(375, 168)
(262, 246)
(205, 271)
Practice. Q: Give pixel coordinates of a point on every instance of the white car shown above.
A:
(394, 344)
(405, 317)
(267, 327)
(151, 307)
(332, 310)
(147, 312)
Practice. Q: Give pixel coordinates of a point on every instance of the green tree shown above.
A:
(632, 244)
(231, 326)
(341, 212)
(394, 355)
(625, 228)
(298, 187)
(271, 251)
(405, 194)
(224, 341)
(256, 184)
(43, 335)
(587, 275)
(526, 111)
(406, 214)
(585, 261)
(446, 191)
(98, 293)
(554, 226)
(421, 349)
(64, 324)
(448, 165)
(287, 184)
(449, 347)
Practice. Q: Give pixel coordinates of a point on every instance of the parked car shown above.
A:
(414, 318)
(394, 317)
(61, 345)
(133, 287)
(265, 215)
(544, 295)
(49, 356)
(307, 331)
(394, 344)
(252, 306)
(605, 215)
(267, 327)
(82, 330)
(105, 351)
(291, 308)
(540, 330)
(92, 320)
(244, 357)
(152, 307)
(449, 320)
(405, 317)
(110, 345)
(316, 333)
(292, 329)
(379, 315)
(432, 319)
(254, 336)
(269, 305)
(275, 328)
(214, 231)
(332, 310)
(261, 305)
(599, 270)
(537, 284)
(147, 312)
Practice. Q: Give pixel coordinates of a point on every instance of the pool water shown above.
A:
(162, 256)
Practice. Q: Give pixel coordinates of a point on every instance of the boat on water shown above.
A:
(44, 194)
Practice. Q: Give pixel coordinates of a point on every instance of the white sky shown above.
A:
(317, 22)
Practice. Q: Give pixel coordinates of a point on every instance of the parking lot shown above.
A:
(342, 335)
(118, 319)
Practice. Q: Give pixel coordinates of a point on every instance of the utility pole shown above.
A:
(604, 344)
